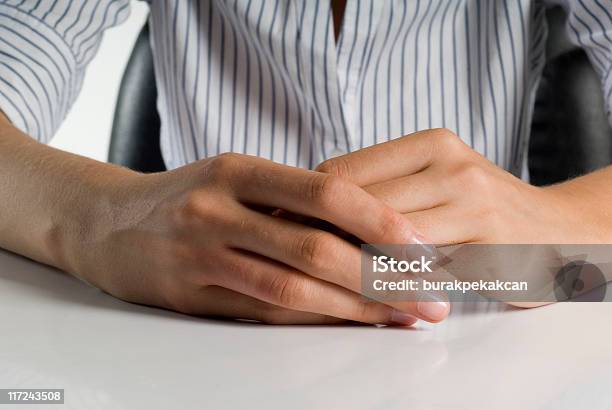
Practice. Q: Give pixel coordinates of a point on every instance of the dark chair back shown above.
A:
(135, 132)
(570, 134)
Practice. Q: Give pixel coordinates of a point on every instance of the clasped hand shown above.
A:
(204, 239)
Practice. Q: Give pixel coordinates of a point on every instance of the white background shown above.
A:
(86, 129)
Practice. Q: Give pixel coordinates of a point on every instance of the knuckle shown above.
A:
(471, 175)
(447, 139)
(223, 165)
(198, 209)
(192, 207)
(338, 166)
(445, 135)
(324, 190)
(287, 291)
(389, 226)
(314, 248)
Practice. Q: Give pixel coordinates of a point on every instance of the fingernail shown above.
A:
(426, 246)
(420, 239)
(402, 318)
(417, 247)
(430, 250)
(434, 311)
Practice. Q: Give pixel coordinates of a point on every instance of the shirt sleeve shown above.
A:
(589, 25)
(45, 47)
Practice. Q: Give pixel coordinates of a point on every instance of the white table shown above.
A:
(58, 332)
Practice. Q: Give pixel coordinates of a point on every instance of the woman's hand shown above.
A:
(454, 195)
(202, 240)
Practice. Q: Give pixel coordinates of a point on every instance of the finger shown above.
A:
(280, 285)
(317, 224)
(423, 190)
(394, 159)
(321, 255)
(316, 252)
(447, 225)
(221, 302)
(326, 197)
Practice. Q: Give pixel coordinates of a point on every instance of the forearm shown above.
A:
(589, 198)
(51, 200)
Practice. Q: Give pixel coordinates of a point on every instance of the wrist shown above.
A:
(582, 215)
(90, 209)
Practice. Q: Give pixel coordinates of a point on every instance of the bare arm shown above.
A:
(51, 199)
(191, 240)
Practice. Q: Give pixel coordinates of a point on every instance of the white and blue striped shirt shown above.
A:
(266, 77)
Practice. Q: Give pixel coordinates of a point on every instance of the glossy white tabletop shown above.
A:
(60, 333)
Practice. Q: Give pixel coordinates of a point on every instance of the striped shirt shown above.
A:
(267, 77)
